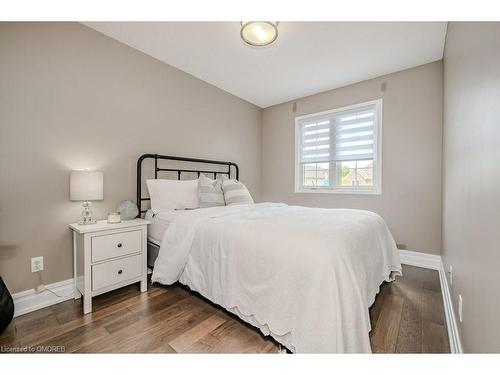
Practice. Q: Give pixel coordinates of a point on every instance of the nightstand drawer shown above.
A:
(115, 245)
(116, 271)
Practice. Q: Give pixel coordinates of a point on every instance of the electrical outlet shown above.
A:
(36, 264)
(460, 307)
(451, 275)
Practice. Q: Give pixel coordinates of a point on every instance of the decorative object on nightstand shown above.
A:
(107, 257)
(86, 186)
(128, 210)
(114, 218)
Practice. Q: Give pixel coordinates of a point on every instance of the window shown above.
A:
(339, 151)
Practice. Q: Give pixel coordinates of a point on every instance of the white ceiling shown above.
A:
(307, 58)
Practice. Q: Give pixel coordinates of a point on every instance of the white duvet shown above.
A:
(306, 276)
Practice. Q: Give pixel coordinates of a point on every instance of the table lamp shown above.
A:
(86, 186)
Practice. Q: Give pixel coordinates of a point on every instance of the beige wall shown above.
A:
(471, 193)
(412, 136)
(72, 98)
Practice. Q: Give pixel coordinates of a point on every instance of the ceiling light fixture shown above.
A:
(259, 33)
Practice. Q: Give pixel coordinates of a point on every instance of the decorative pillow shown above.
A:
(173, 194)
(235, 193)
(210, 191)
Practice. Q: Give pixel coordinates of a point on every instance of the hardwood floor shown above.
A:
(407, 317)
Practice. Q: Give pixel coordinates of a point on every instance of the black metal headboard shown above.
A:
(157, 169)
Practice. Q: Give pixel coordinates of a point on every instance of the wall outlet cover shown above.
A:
(36, 264)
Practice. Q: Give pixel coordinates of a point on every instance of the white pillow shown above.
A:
(173, 194)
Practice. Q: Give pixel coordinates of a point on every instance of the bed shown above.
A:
(305, 276)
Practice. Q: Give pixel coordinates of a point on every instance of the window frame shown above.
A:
(376, 189)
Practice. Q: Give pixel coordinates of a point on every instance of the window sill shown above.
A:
(373, 191)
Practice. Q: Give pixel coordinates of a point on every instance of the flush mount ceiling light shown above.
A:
(259, 33)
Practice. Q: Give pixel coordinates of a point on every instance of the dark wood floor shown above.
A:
(407, 317)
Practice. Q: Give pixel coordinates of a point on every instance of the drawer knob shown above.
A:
(120, 272)
(119, 245)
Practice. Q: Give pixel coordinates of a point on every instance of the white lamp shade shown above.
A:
(86, 186)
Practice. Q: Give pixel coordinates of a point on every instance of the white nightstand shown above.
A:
(107, 257)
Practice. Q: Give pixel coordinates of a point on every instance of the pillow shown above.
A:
(210, 191)
(235, 193)
(173, 194)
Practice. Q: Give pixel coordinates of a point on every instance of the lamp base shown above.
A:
(83, 222)
(87, 218)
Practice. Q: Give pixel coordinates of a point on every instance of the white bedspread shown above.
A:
(307, 276)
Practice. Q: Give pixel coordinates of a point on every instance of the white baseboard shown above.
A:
(451, 321)
(424, 260)
(435, 262)
(29, 300)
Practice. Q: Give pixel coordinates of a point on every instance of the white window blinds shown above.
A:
(315, 145)
(339, 136)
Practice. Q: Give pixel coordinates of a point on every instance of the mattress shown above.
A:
(159, 224)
